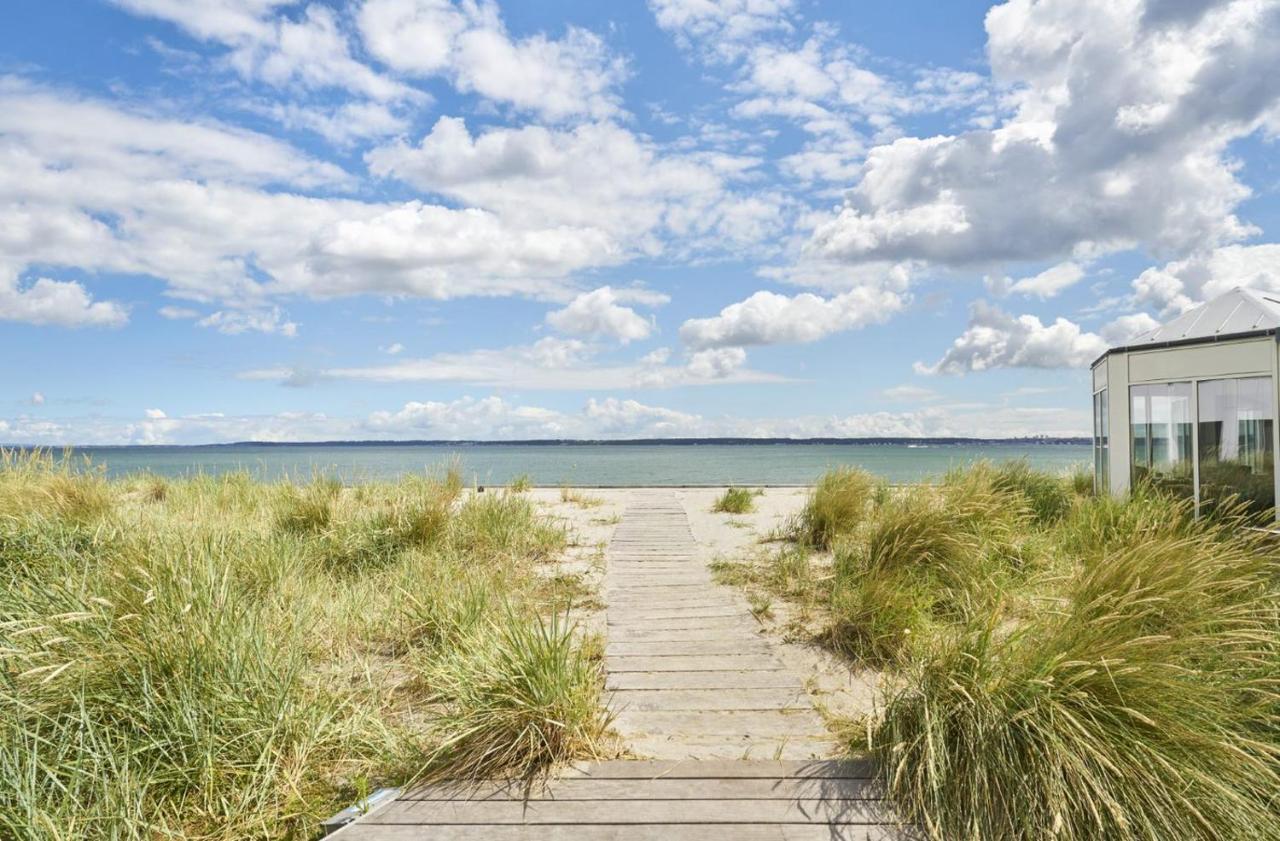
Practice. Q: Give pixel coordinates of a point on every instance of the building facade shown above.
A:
(1191, 406)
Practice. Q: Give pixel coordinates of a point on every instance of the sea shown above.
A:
(582, 464)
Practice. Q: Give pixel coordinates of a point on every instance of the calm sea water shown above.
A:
(584, 464)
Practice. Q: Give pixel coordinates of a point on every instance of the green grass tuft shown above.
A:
(735, 501)
(839, 503)
(518, 699)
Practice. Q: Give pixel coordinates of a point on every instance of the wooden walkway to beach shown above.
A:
(690, 672)
(731, 744)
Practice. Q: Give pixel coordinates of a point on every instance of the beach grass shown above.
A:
(735, 501)
(1055, 664)
(220, 658)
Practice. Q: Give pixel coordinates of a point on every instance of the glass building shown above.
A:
(1191, 405)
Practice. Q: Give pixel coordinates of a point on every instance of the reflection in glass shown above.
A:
(1236, 445)
(1160, 423)
(1101, 445)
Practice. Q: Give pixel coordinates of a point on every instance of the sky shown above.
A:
(226, 220)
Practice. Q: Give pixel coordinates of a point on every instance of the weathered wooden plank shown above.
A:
(747, 723)
(775, 698)
(496, 812)
(660, 788)
(686, 648)
(722, 679)
(717, 663)
(706, 597)
(622, 633)
(687, 769)
(721, 747)
(685, 624)
(638, 612)
(616, 832)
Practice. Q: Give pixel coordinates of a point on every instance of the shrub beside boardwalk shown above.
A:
(1054, 665)
(221, 658)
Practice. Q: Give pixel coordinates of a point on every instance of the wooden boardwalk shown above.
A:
(691, 674)
(730, 731)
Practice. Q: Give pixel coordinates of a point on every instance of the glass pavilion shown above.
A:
(1191, 405)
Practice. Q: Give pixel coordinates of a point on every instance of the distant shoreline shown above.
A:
(610, 442)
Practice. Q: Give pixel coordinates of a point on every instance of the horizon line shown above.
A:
(439, 442)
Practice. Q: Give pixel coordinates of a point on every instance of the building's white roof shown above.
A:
(1238, 311)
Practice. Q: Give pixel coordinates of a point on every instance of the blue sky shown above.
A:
(262, 219)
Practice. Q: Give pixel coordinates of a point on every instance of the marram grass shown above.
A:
(217, 658)
(1060, 666)
(735, 501)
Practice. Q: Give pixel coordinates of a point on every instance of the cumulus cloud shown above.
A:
(37, 398)
(554, 77)
(309, 50)
(1047, 284)
(996, 339)
(612, 416)
(599, 313)
(769, 318)
(598, 175)
(1119, 138)
(494, 418)
(1182, 284)
(1128, 327)
(489, 417)
(717, 363)
(54, 302)
(204, 215)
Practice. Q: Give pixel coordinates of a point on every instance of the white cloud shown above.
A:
(598, 176)
(770, 318)
(37, 398)
(612, 416)
(1047, 284)
(598, 313)
(1119, 138)
(717, 363)
(393, 349)
(54, 302)
(1182, 284)
(723, 27)
(178, 313)
(996, 339)
(493, 418)
(556, 78)
(308, 50)
(156, 414)
(235, 322)
(489, 417)
(1125, 328)
(549, 363)
(90, 186)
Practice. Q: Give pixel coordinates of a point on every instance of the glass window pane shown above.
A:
(1101, 481)
(1161, 431)
(1236, 444)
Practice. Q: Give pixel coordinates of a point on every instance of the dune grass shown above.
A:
(837, 505)
(1057, 665)
(735, 501)
(219, 658)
